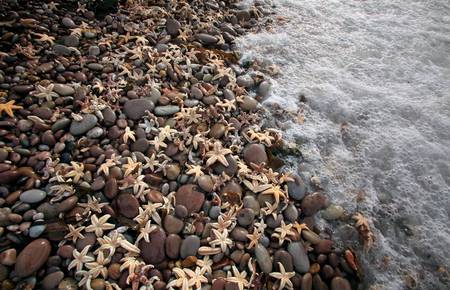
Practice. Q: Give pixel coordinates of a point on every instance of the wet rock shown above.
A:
(206, 38)
(154, 251)
(284, 258)
(189, 246)
(206, 183)
(188, 196)
(52, 280)
(141, 145)
(230, 170)
(8, 257)
(135, 109)
(296, 188)
(33, 196)
(263, 259)
(72, 41)
(63, 50)
(339, 283)
(173, 225)
(172, 26)
(248, 103)
(324, 246)
(36, 231)
(32, 257)
(290, 213)
(63, 90)
(109, 117)
(94, 50)
(307, 282)
(333, 212)
(68, 22)
(88, 122)
(173, 244)
(312, 203)
(166, 110)
(45, 67)
(128, 205)
(255, 153)
(301, 261)
(95, 133)
(245, 217)
(245, 81)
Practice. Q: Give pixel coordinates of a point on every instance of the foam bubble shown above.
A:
(377, 120)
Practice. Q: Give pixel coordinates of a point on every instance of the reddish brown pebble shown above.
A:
(255, 153)
(32, 257)
(8, 257)
(128, 205)
(188, 196)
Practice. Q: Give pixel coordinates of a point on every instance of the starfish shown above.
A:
(217, 154)
(128, 134)
(270, 209)
(44, 37)
(104, 167)
(8, 108)
(284, 277)
(282, 232)
(158, 143)
(276, 192)
(131, 165)
(166, 133)
(92, 204)
(145, 231)
(221, 240)
(238, 278)
(150, 162)
(300, 227)
(74, 233)
(195, 170)
(98, 225)
(254, 239)
(196, 278)
(45, 92)
(181, 280)
(98, 267)
(205, 264)
(80, 258)
(77, 171)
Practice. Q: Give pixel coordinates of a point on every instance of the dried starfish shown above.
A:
(8, 108)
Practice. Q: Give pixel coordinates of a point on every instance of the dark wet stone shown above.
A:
(72, 41)
(64, 90)
(135, 109)
(255, 153)
(173, 244)
(32, 257)
(189, 246)
(68, 22)
(206, 38)
(230, 170)
(301, 260)
(188, 196)
(141, 145)
(172, 224)
(312, 203)
(263, 259)
(154, 251)
(172, 26)
(339, 283)
(52, 280)
(109, 117)
(323, 247)
(23, 89)
(245, 216)
(88, 122)
(128, 205)
(296, 188)
(284, 258)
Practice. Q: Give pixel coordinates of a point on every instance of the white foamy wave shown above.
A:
(376, 75)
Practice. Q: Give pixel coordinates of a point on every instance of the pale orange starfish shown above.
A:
(8, 108)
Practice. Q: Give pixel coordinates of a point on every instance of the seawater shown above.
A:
(376, 77)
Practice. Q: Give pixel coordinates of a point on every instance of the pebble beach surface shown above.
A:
(135, 154)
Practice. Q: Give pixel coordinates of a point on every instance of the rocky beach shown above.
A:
(135, 153)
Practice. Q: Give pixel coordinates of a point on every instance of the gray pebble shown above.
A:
(36, 231)
(166, 110)
(301, 260)
(88, 122)
(263, 259)
(189, 246)
(33, 196)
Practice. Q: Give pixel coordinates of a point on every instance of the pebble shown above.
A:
(172, 224)
(153, 252)
(141, 145)
(173, 244)
(339, 283)
(23, 89)
(284, 258)
(307, 282)
(333, 212)
(255, 153)
(95, 66)
(63, 50)
(64, 90)
(88, 122)
(95, 133)
(72, 41)
(250, 201)
(323, 247)
(36, 231)
(291, 213)
(32, 257)
(248, 104)
(245, 216)
(166, 110)
(245, 81)
(68, 22)
(60, 124)
(296, 188)
(301, 260)
(214, 212)
(264, 88)
(52, 280)
(312, 203)
(181, 211)
(172, 26)
(230, 170)
(189, 246)
(128, 205)
(188, 196)
(263, 259)
(109, 117)
(68, 284)
(8, 257)
(135, 109)
(206, 38)
(33, 196)
(94, 50)
(239, 234)
(206, 183)
(45, 67)
(311, 237)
